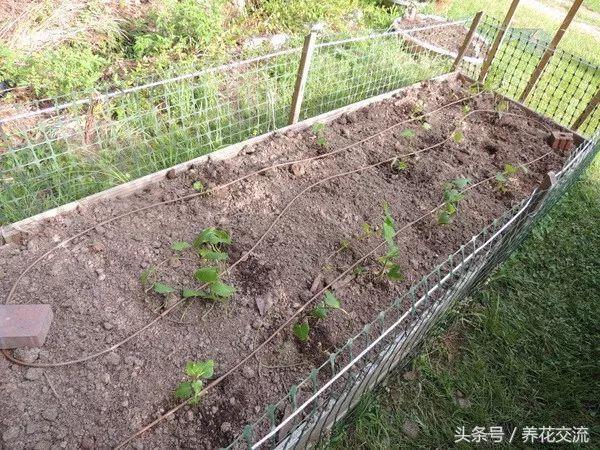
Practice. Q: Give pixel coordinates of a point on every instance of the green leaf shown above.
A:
(212, 235)
(426, 126)
(161, 288)
(180, 246)
(400, 165)
(388, 232)
(301, 331)
(197, 388)
(184, 390)
(222, 290)
(207, 275)
(320, 311)
(444, 218)
(200, 369)
(332, 301)
(509, 170)
(189, 293)
(212, 255)
(408, 133)
(452, 196)
(146, 274)
(461, 183)
(451, 209)
(458, 136)
(395, 273)
(500, 178)
(198, 186)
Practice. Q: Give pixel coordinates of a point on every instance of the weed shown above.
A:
(408, 133)
(301, 331)
(458, 136)
(196, 372)
(399, 165)
(503, 178)
(452, 197)
(367, 230)
(198, 186)
(319, 131)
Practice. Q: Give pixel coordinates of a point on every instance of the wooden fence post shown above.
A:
(468, 38)
(496, 44)
(593, 103)
(301, 77)
(550, 50)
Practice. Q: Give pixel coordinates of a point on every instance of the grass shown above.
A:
(522, 351)
(575, 41)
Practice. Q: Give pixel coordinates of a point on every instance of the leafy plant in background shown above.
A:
(330, 303)
(452, 197)
(196, 372)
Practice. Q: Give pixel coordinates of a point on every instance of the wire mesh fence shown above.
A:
(567, 84)
(53, 153)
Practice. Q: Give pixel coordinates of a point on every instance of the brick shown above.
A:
(24, 325)
(560, 140)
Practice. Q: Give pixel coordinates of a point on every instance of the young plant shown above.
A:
(319, 131)
(399, 165)
(198, 186)
(216, 289)
(196, 372)
(330, 303)
(210, 242)
(389, 266)
(452, 197)
(503, 178)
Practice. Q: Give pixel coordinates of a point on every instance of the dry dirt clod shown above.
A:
(50, 414)
(11, 434)
(33, 374)
(297, 169)
(171, 174)
(27, 355)
(248, 372)
(97, 247)
(317, 283)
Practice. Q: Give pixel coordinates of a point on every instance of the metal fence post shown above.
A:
(496, 44)
(305, 59)
(467, 41)
(550, 50)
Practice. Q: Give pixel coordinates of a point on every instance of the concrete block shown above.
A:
(24, 325)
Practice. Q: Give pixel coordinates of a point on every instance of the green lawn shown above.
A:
(523, 351)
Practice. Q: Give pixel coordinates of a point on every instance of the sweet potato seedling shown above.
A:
(330, 303)
(389, 266)
(452, 197)
(196, 372)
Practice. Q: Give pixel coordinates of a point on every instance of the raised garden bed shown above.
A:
(439, 36)
(404, 155)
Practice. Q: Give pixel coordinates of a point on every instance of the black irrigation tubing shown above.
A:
(184, 198)
(217, 381)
